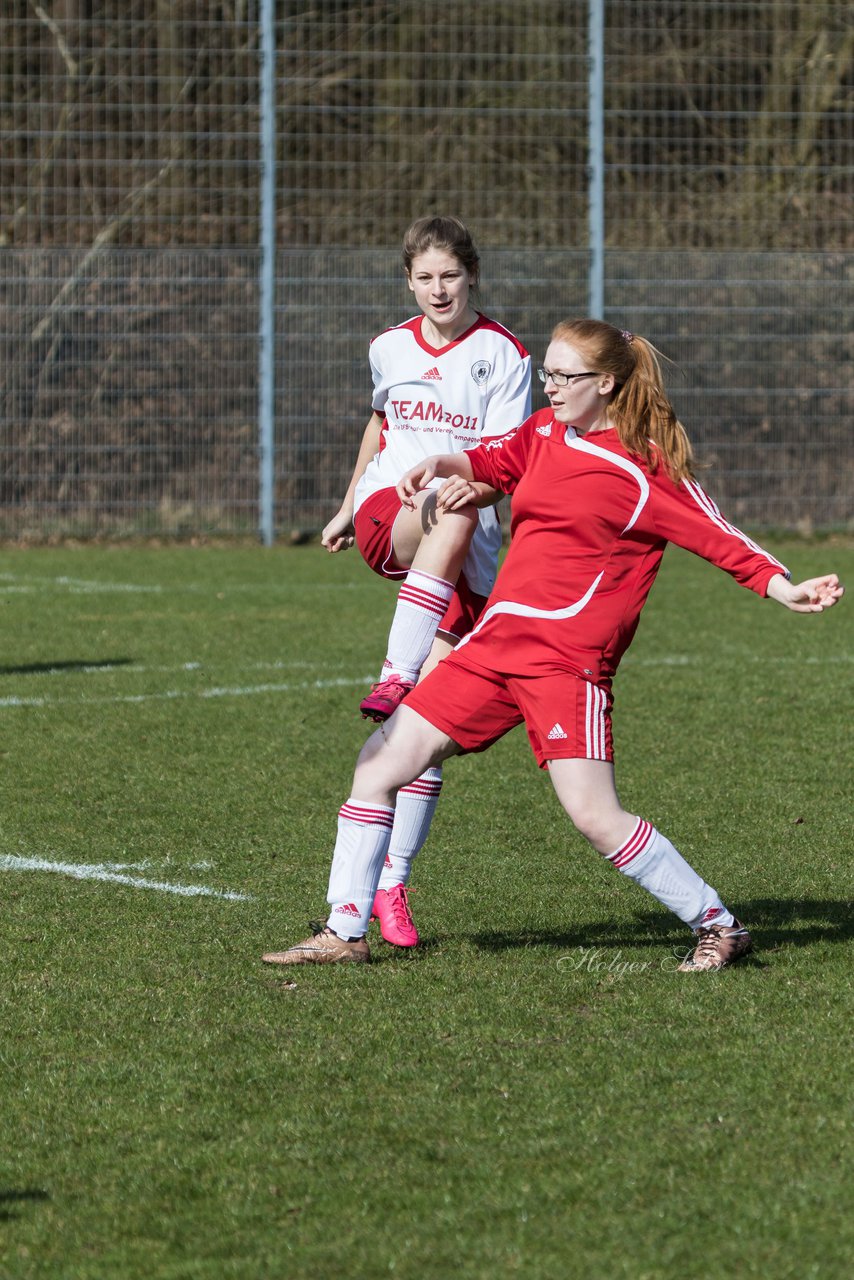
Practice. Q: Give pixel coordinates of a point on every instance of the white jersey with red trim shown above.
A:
(444, 400)
(589, 527)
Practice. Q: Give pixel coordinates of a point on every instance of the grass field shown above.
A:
(535, 1092)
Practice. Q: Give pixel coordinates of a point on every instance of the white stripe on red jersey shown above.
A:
(527, 611)
(631, 467)
(702, 498)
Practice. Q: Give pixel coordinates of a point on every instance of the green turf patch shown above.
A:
(534, 1092)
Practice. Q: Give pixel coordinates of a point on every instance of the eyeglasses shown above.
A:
(562, 379)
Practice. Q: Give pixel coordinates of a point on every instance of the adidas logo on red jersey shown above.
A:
(556, 732)
(432, 375)
(349, 909)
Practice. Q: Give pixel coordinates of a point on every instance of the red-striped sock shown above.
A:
(416, 804)
(421, 604)
(364, 831)
(657, 865)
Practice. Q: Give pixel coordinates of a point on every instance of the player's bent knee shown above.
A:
(597, 828)
(455, 527)
(397, 753)
(377, 777)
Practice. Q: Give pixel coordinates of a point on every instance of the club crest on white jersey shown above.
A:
(480, 371)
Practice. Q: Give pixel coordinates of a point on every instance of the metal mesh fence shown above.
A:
(131, 406)
(128, 122)
(761, 371)
(728, 124)
(129, 219)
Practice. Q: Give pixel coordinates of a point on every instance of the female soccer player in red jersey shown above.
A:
(442, 381)
(602, 481)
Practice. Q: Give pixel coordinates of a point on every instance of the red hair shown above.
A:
(640, 409)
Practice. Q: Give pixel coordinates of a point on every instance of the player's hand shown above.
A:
(456, 492)
(413, 480)
(339, 534)
(814, 595)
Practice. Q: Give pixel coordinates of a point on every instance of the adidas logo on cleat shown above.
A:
(556, 732)
(432, 375)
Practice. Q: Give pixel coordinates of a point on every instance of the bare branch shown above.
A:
(54, 30)
(105, 236)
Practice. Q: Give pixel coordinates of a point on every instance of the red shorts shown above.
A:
(373, 523)
(567, 718)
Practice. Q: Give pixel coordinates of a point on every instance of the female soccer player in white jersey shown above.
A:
(602, 481)
(442, 381)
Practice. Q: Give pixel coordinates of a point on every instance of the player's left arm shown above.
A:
(687, 516)
(814, 595)
(684, 514)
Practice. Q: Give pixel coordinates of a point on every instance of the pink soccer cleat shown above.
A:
(385, 697)
(391, 908)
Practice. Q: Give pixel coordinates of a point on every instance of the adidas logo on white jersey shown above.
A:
(432, 375)
(557, 732)
(545, 431)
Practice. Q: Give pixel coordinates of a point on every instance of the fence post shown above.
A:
(267, 283)
(596, 157)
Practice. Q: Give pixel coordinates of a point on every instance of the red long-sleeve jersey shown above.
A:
(589, 526)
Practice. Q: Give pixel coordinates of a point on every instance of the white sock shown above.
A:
(363, 834)
(421, 604)
(416, 805)
(658, 866)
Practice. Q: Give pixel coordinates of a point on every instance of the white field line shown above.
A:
(111, 667)
(76, 586)
(690, 660)
(238, 691)
(13, 701)
(32, 583)
(96, 871)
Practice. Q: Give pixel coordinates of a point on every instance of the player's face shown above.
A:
(441, 286)
(583, 402)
